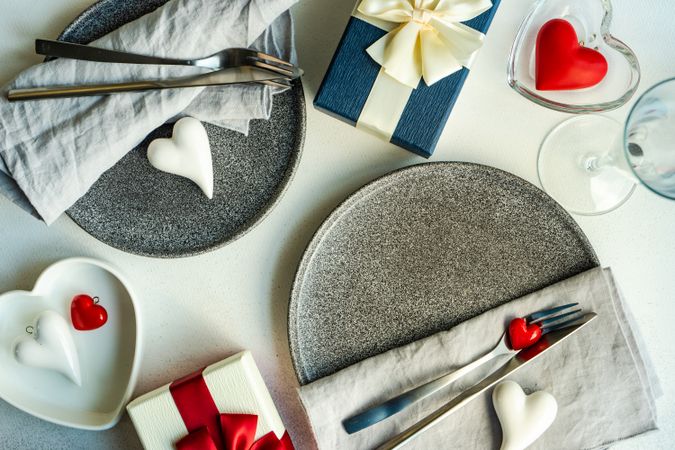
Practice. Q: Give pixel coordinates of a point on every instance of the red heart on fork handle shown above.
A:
(522, 334)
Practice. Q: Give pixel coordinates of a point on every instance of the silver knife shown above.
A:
(234, 75)
(519, 360)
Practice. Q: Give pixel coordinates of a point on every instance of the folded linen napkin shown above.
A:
(52, 151)
(603, 384)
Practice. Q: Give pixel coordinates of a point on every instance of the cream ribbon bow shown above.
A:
(431, 42)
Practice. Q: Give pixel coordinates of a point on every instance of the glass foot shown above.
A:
(579, 165)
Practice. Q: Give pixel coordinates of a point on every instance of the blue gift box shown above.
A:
(352, 73)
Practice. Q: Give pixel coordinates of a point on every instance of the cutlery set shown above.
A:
(229, 66)
(555, 323)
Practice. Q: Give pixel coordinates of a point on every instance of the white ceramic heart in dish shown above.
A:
(108, 356)
(523, 417)
(50, 346)
(187, 153)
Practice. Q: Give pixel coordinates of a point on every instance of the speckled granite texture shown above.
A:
(138, 209)
(419, 251)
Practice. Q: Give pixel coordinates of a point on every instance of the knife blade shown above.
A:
(516, 362)
(233, 75)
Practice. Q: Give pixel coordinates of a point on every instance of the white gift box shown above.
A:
(234, 384)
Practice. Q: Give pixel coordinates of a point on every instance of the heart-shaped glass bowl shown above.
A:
(592, 20)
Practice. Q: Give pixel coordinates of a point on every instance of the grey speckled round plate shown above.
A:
(138, 209)
(419, 251)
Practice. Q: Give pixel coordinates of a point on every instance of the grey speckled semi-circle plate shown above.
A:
(419, 251)
(138, 209)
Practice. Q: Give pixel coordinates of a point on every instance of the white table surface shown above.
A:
(199, 309)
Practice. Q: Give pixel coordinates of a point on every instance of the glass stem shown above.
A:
(596, 163)
(615, 159)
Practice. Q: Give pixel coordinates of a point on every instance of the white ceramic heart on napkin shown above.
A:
(523, 417)
(187, 154)
(108, 356)
(51, 347)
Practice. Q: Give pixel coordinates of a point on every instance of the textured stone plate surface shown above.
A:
(138, 209)
(419, 251)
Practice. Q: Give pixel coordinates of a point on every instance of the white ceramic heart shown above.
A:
(523, 417)
(187, 154)
(109, 356)
(51, 347)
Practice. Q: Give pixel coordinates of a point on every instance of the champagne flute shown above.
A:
(591, 164)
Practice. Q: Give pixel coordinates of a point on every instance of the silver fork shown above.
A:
(548, 319)
(224, 59)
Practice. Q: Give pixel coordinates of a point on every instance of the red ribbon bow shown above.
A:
(210, 430)
(238, 433)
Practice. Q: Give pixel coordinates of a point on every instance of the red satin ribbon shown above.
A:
(210, 430)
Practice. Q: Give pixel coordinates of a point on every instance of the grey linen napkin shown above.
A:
(52, 151)
(604, 386)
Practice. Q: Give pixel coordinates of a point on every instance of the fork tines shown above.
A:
(274, 59)
(272, 63)
(272, 67)
(287, 70)
(550, 319)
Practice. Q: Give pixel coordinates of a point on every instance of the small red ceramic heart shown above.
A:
(522, 335)
(86, 314)
(562, 63)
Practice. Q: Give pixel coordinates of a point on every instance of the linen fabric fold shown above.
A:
(52, 151)
(601, 377)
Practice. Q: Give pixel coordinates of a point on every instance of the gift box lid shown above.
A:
(236, 387)
(352, 73)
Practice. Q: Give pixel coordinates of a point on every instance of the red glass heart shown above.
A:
(522, 334)
(86, 314)
(562, 63)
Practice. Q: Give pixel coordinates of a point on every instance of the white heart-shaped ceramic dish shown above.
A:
(109, 356)
(523, 417)
(187, 153)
